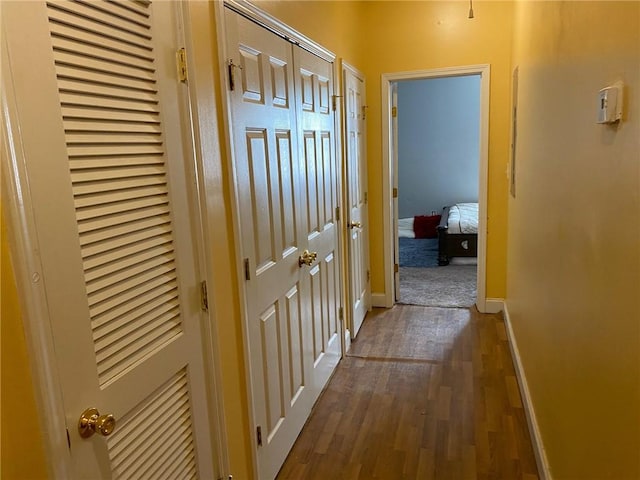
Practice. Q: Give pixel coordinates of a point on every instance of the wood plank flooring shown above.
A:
(424, 393)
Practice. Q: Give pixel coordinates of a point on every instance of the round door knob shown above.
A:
(355, 225)
(92, 422)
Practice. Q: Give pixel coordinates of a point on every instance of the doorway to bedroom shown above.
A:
(436, 137)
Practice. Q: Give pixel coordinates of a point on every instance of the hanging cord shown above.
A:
(470, 8)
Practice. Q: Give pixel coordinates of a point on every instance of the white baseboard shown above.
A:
(493, 305)
(379, 300)
(538, 447)
(347, 340)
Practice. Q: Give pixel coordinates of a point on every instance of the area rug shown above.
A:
(450, 286)
(418, 252)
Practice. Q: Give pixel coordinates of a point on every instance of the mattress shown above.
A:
(463, 218)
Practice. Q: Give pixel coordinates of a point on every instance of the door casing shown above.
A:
(389, 180)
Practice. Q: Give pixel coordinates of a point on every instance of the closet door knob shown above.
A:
(355, 225)
(92, 422)
(307, 258)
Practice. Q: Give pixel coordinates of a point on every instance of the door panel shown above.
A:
(357, 224)
(102, 136)
(314, 86)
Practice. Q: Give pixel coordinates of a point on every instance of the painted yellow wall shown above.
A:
(224, 297)
(574, 235)
(20, 441)
(336, 25)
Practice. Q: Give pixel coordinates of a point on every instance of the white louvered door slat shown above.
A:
(102, 135)
(74, 14)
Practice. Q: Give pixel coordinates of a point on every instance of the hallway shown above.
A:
(424, 393)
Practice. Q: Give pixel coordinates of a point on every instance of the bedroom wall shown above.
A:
(438, 142)
(574, 235)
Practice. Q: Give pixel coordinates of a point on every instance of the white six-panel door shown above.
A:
(97, 104)
(268, 190)
(286, 183)
(320, 173)
(358, 218)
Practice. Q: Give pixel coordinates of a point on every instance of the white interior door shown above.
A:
(316, 133)
(97, 109)
(269, 192)
(286, 175)
(358, 218)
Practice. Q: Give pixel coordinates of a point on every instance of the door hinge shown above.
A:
(337, 213)
(230, 71)
(68, 439)
(259, 435)
(181, 59)
(204, 297)
(334, 101)
(394, 112)
(396, 268)
(247, 273)
(395, 192)
(368, 275)
(340, 313)
(364, 111)
(366, 197)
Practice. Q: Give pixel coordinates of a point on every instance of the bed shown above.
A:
(458, 232)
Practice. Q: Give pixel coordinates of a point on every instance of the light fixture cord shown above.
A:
(470, 8)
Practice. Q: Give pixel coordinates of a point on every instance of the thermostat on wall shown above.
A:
(610, 103)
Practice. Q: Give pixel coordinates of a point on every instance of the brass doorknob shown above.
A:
(92, 422)
(307, 258)
(355, 225)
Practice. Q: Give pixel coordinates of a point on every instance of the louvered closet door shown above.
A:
(102, 136)
(267, 176)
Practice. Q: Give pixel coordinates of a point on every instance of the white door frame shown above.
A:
(388, 177)
(26, 263)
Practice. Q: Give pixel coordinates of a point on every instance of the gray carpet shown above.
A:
(450, 286)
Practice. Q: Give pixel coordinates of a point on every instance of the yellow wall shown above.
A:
(574, 235)
(21, 441)
(225, 303)
(394, 36)
(336, 25)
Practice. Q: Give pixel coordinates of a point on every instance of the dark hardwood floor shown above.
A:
(424, 393)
